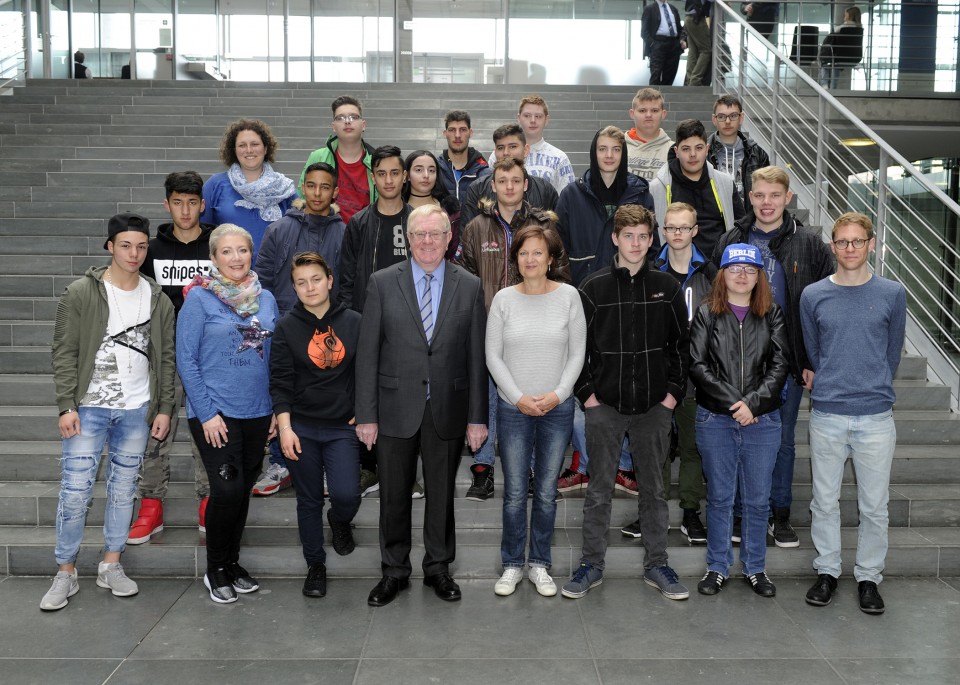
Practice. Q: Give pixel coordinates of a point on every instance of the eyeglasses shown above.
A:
(857, 243)
(743, 269)
(675, 229)
(727, 117)
(420, 236)
(347, 118)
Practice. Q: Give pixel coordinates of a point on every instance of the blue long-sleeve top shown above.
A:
(224, 359)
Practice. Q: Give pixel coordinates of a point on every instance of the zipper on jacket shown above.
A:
(742, 360)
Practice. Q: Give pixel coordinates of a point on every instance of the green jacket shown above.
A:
(328, 154)
(82, 315)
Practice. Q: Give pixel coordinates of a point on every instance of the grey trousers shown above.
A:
(649, 435)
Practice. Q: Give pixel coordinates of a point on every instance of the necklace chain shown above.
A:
(123, 323)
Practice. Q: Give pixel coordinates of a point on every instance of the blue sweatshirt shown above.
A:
(854, 339)
(220, 207)
(223, 359)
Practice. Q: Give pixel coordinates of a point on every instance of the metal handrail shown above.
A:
(807, 130)
(12, 38)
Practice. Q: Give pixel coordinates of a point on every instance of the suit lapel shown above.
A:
(409, 292)
(451, 280)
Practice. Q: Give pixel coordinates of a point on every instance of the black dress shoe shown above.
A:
(870, 600)
(386, 591)
(821, 593)
(444, 587)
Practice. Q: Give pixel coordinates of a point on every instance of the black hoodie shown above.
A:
(173, 264)
(311, 365)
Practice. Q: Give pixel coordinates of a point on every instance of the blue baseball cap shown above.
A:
(741, 253)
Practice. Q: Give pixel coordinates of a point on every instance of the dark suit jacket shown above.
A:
(394, 360)
(650, 24)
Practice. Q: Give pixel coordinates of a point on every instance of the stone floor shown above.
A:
(622, 632)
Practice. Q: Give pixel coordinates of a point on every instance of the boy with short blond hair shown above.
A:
(543, 160)
(647, 144)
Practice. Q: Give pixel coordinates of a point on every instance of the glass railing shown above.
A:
(839, 164)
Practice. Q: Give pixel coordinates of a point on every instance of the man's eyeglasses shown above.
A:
(743, 269)
(857, 243)
(347, 118)
(727, 117)
(675, 229)
(420, 236)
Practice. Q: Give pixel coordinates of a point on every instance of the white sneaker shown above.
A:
(508, 581)
(64, 586)
(112, 577)
(545, 586)
(274, 479)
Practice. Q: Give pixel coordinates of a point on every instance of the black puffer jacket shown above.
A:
(732, 361)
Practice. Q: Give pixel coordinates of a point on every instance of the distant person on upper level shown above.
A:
(731, 151)
(647, 145)
(459, 165)
(763, 17)
(696, 24)
(689, 178)
(509, 140)
(543, 160)
(842, 48)
(663, 41)
(125, 72)
(80, 70)
(853, 327)
(249, 194)
(349, 154)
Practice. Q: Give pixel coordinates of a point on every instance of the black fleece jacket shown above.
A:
(312, 365)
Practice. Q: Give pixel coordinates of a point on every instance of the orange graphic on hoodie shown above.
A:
(326, 349)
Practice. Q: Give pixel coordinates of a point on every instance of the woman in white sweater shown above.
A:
(536, 337)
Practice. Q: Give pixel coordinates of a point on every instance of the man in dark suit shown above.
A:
(663, 41)
(421, 384)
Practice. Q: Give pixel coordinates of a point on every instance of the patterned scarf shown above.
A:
(265, 194)
(242, 297)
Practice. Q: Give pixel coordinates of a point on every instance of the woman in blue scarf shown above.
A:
(249, 193)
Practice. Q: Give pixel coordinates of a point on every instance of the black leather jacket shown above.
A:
(730, 361)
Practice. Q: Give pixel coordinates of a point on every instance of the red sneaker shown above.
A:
(149, 522)
(626, 482)
(202, 513)
(571, 480)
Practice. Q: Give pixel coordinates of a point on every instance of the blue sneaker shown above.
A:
(584, 578)
(665, 579)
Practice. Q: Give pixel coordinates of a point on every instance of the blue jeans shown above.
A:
(735, 455)
(487, 454)
(579, 440)
(330, 450)
(127, 431)
(546, 438)
(870, 441)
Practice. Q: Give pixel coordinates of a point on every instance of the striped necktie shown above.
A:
(426, 307)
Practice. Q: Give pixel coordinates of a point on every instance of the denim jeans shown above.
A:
(781, 488)
(330, 450)
(870, 441)
(650, 437)
(579, 441)
(735, 455)
(545, 438)
(487, 452)
(126, 431)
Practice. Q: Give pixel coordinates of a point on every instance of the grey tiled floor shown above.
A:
(622, 632)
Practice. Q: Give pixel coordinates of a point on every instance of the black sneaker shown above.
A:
(870, 600)
(219, 584)
(693, 528)
(735, 535)
(482, 488)
(316, 583)
(821, 594)
(780, 529)
(241, 580)
(530, 485)
(631, 530)
(762, 584)
(711, 583)
(342, 541)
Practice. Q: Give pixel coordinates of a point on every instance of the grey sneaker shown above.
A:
(64, 586)
(112, 577)
(665, 579)
(584, 578)
(417, 492)
(369, 482)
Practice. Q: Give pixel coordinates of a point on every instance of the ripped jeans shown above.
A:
(126, 431)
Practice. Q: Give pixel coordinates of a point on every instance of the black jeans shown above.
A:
(232, 470)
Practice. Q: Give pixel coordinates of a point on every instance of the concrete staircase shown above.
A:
(74, 153)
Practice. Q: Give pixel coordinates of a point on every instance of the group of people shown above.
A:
(386, 310)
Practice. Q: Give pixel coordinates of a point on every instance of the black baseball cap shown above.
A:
(126, 222)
